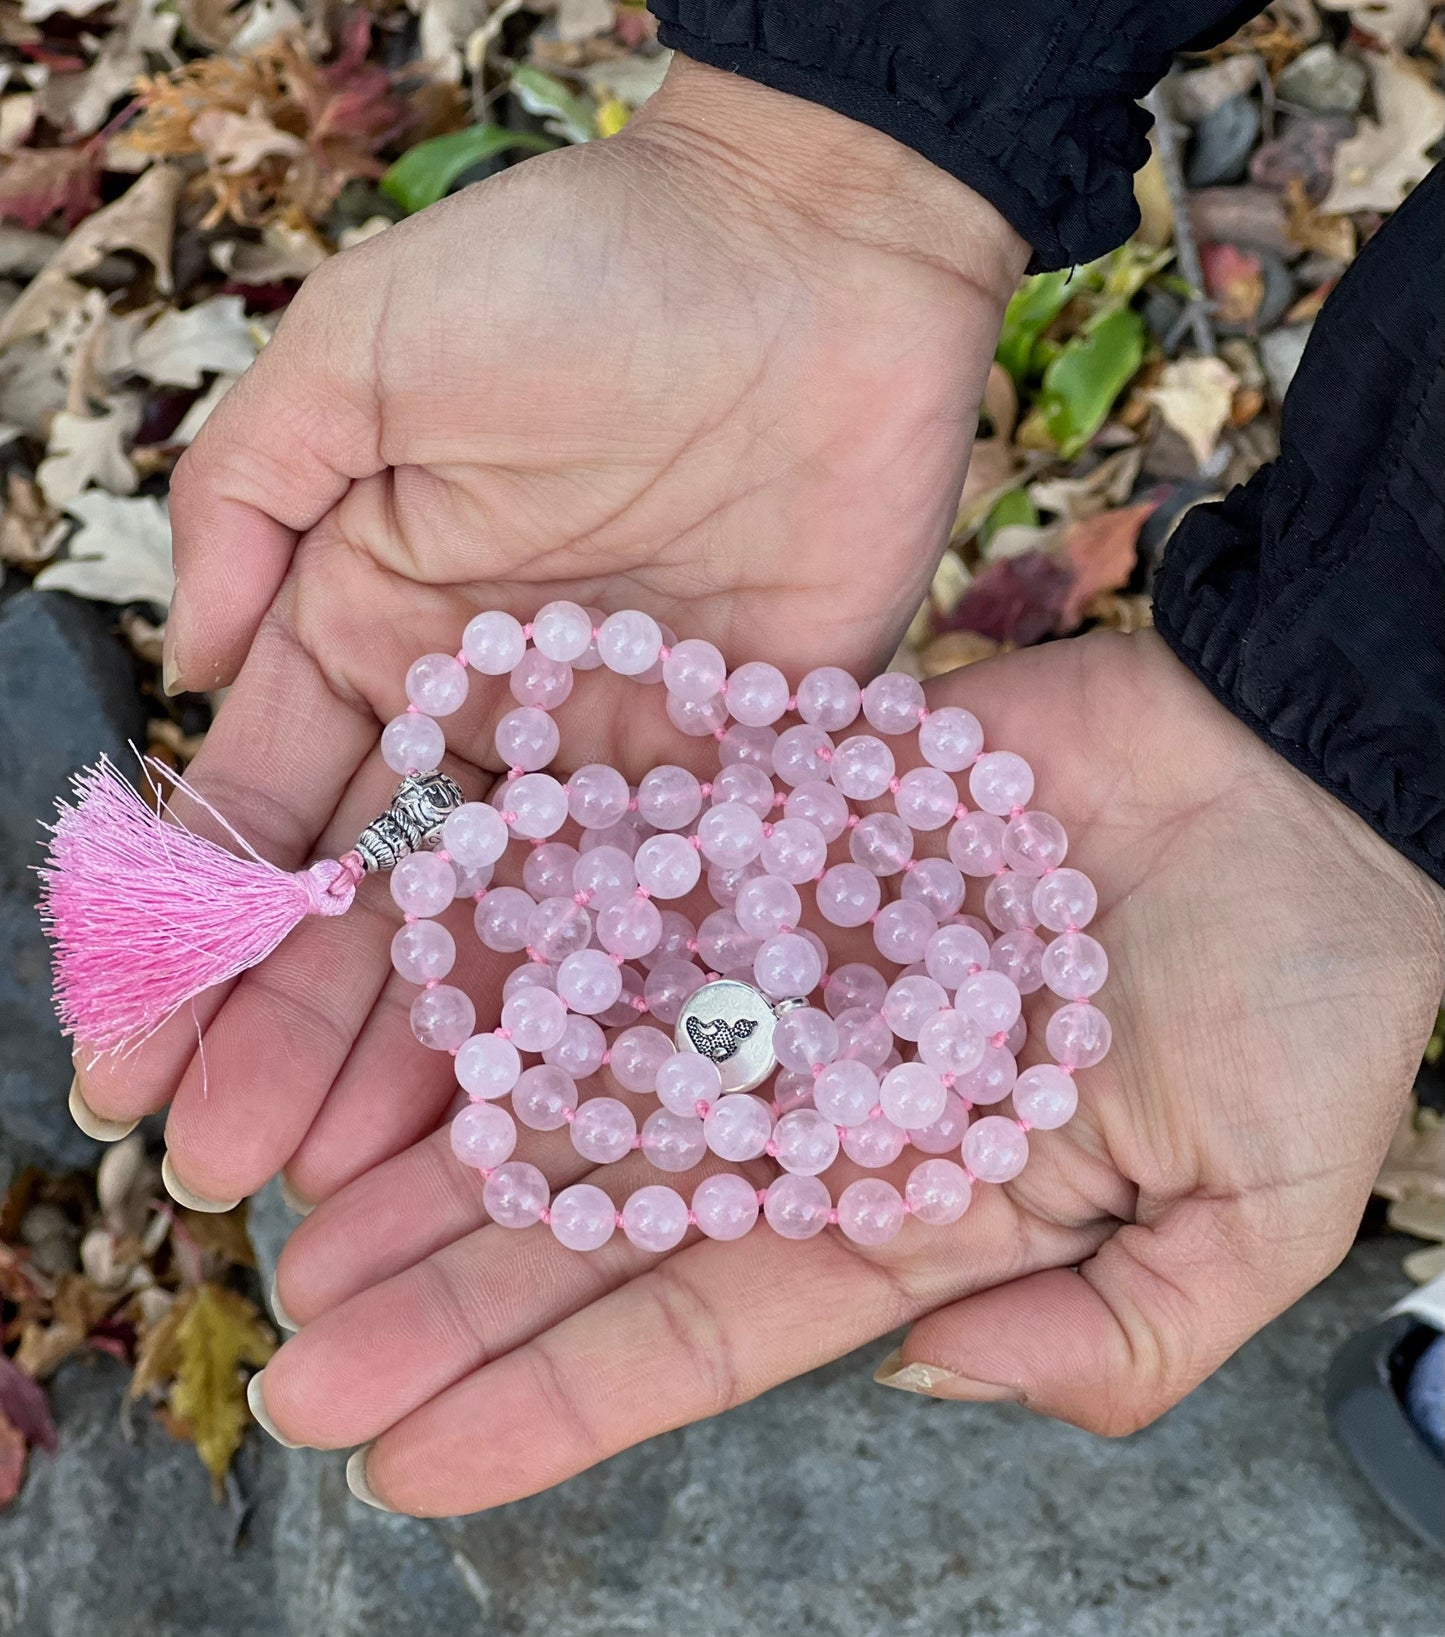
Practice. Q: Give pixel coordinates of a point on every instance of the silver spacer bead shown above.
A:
(422, 803)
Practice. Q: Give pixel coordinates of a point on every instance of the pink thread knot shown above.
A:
(331, 883)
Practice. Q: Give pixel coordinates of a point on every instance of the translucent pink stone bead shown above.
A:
(562, 630)
(698, 718)
(953, 952)
(629, 642)
(726, 1206)
(787, 966)
(475, 835)
(854, 984)
(547, 870)
(423, 952)
(530, 975)
(991, 1000)
(556, 928)
(624, 837)
(580, 1050)
(493, 643)
(483, 1136)
(950, 739)
(742, 743)
(1017, 1036)
(946, 1132)
(539, 805)
(999, 781)
(805, 1038)
(722, 944)
(442, 1018)
(912, 1095)
(731, 835)
(757, 694)
(487, 1066)
(791, 1089)
(543, 1097)
(926, 798)
(863, 1036)
(893, 703)
(902, 930)
(805, 1143)
(882, 843)
(738, 1127)
(937, 885)
(992, 1080)
(1034, 842)
(848, 895)
(995, 1149)
(874, 1143)
(527, 738)
(535, 1019)
(669, 797)
(668, 987)
(603, 870)
(637, 1054)
(845, 1092)
(501, 919)
(412, 743)
(724, 885)
(1045, 1096)
(436, 684)
(685, 1080)
(515, 1195)
(975, 844)
(1065, 900)
(802, 755)
(1019, 956)
(1075, 966)
(767, 904)
(694, 671)
(795, 850)
(629, 926)
(870, 1211)
(589, 981)
(603, 1130)
(582, 1217)
(1009, 901)
(829, 698)
(862, 767)
(910, 1003)
(668, 866)
(797, 1207)
(540, 681)
(597, 796)
(951, 1043)
(591, 660)
(742, 781)
(938, 1192)
(823, 805)
(676, 941)
(1079, 1036)
(655, 1218)
(423, 884)
(473, 880)
(672, 1142)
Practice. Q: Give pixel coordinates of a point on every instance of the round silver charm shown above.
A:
(731, 1024)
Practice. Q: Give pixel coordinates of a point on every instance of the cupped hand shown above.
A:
(725, 366)
(1274, 971)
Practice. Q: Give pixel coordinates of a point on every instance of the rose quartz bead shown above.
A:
(423, 952)
(423, 884)
(802, 755)
(442, 1018)
(543, 1096)
(937, 885)
(938, 1192)
(603, 870)
(805, 1038)
(950, 739)
(589, 981)
(694, 671)
(629, 926)
(910, 1003)
(493, 643)
(725, 1206)
(875, 1143)
(685, 1080)
(539, 805)
(669, 797)
(547, 870)
(854, 984)
(540, 681)
(902, 930)
(582, 1217)
(668, 866)
(475, 834)
(870, 1211)
(675, 944)
(926, 798)
(797, 1207)
(1009, 901)
(999, 781)
(992, 1080)
(731, 835)
(556, 928)
(1045, 1096)
(1075, 966)
(699, 719)
(629, 642)
(1019, 956)
(412, 743)
(1017, 1036)
(991, 1000)
(515, 1195)
(724, 885)
(530, 975)
(672, 1142)
(882, 843)
(483, 1136)
(753, 746)
(829, 698)
(742, 782)
(1079, 1036)
(893, 703)
(436, 684)
(787, 966)
(863, 1036)
(738, 1127)
(668, 987)
(975, 844)
(953, 952)
(580, 1050)
(534, 1018)
(766, 905)
(603, 1129)
(473, 881)
(912, 1095)
(791, 1089)
(795, 850)
(722, 944)
(848, 895)
(527, 738)
(487, 1066)
(624, 837)
(562, 630)
(805, 1142)
(1034, 842)
(590, 659)
(655, 1218)
(862, 767)
(1065, 900)
(946, 1132)
(596, 796)
(757, 694)
(951, 1043)
(822, 805)
(637, 1054)
(995, 1149)
(846, 1092)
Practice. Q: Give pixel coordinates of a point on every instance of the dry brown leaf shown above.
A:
(1314, 229)
(1102, 551)
(218, 1334)
(1195, 396)
(29, 530)
(1392, 22)
(954, 649)
(184, 344)
(86, 450)
(239, 142)
(121, 553)
(1377, 167)
(1109, 484)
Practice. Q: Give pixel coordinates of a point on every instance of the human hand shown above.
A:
(1275, 969)
(725, 366)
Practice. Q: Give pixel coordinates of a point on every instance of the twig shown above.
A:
(1196, 313)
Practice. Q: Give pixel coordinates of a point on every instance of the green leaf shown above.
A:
(1013, 508)
(424, 173)
(565, 115)
(1089, 373)
(1036, 303)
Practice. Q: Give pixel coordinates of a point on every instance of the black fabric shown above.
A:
(1312, 600)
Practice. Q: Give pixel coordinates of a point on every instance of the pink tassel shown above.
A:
(145, 915)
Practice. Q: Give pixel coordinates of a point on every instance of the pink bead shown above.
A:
(603, 1130)
(863, 1036)
(1034, 842)
(668, 987)
(473, 880)
(722, 944)
(1009, 901)
(582, 1217)
(655, 1218)
(1065, 899)
(530, 975)
(870, 1211)
(829, 698)
(975, 844)
(938, 1192)
(557, 928)
(423, 884)
(724, 885)
(515, 1195)
(539, 804)
(846, 1092)
(1045, 1096)
(805, 1143)
(699, 719)
(862, 767)
(893, 703)
(995, 1149)
(953, 952)
(483, 1136)
(493, 643)
(436, 684)
(950, 739)
(669, 798)
(745, 783)
(668, 866)
(926, 798)
(580, 1050)
(487, 1066)
(766, 905)
(854, 984)
(912, 1096)
(902, 930)
(991, 1000)
(757, 694)
(910, 1003)
(442, 1018)
(946, 1132)
(547, 870)
(738, 1127)
(787, 967)
(676, 941)
(742, 743)
(591, 660)
(882, 843)
(694, 671)
(999, 781)
(535, 1019)
(629, 642)
(501, 919)
(562, 631)
(527, 738)
(791, 1090)
(796, 850)
(672, 1142)
(937, 885)
(802, 755)
(1019, 956)
(589, 982)
(848, 895)
(823, 805)
(412, 743)
(685, 1080)
(1079, 1036)
(423, 952)
(797, 1207)
(637, 1054)
(475, 835)
(596, 796)
(805, 1039)
(603, 870)
(726, 1206)
(629, 926)
(540, 681)
(992, 1080)
(1075, 966)
(731, 835)
(951, 1043)
(543, 1097)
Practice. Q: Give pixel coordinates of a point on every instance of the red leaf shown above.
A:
(1018, 599)
(12, 1460)
(23, 1406)
(1233, 280)
(1103, 550)
(39, 181)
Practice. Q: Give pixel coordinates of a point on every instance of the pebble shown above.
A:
(1223, 142)
(1323, 80)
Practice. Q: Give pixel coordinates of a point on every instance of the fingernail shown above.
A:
(93, 1124)
(294, 1201)
(183, 1195)
(279, 1313)
(170, 666)
(933, 1381)
(356, 1480)
(258, 1409)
